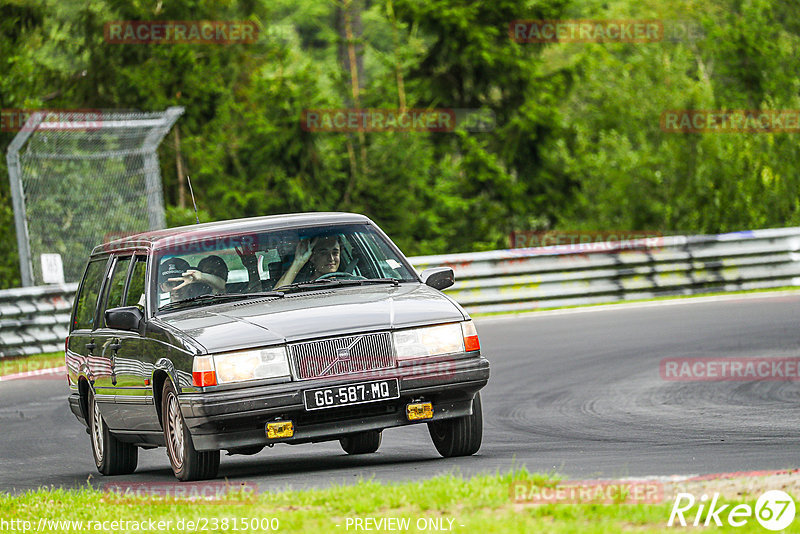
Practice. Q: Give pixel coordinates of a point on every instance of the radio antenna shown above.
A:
(191, 192)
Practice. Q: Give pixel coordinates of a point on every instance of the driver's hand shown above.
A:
(304, 250)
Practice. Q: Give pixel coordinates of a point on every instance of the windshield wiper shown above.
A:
(332, 282)
(393, 281)
(313, 284)
(221, 297)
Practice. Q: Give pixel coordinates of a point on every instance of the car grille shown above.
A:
(342, 355)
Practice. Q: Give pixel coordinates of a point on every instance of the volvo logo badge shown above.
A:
(342, 356)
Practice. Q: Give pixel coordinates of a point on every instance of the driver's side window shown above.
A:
(136, 285)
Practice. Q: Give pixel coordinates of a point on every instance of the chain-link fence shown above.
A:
(76, 177)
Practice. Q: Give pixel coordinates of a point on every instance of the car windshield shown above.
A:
(193, 270)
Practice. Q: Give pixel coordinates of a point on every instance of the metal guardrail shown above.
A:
(35, 319)
(569, 275)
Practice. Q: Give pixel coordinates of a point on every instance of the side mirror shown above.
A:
(438, 277)
(124, 318)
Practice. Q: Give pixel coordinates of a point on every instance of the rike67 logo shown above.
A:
(774, 510)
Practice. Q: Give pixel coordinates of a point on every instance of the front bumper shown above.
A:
(237, 418)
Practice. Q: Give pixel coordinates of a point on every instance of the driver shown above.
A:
(321, 253)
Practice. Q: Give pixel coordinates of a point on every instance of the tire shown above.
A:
(187, 463)
(111, 456)
(461, 436)
(362, 442)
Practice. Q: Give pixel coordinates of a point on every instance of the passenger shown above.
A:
(211, 271)
(321, 253)
(214, 271)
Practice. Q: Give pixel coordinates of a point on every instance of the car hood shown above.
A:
(312, 314)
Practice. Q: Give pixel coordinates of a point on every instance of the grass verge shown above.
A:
(481, 504)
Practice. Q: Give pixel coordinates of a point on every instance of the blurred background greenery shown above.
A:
(577, 143)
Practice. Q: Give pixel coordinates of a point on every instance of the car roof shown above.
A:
(154, 239)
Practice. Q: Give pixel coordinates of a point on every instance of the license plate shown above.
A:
(350, 394)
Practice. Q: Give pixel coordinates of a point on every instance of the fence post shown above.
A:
(155, 202)
(17, 199)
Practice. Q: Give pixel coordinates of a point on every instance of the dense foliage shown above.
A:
(577, 142)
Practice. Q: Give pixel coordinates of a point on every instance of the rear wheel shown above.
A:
(187, 463)
(362, 442)
(111, 456)
(461, 436)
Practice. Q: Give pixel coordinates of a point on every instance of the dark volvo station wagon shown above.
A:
(237, 335)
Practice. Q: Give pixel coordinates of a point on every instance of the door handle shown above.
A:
(114, 348)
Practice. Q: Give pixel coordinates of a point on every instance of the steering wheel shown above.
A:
(346, 276)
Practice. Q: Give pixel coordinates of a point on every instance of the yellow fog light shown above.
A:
(280, 429)
(421, 410)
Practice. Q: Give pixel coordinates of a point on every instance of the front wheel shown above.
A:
(461, 436)
(111, 456)
(362, 442)
(187, 463)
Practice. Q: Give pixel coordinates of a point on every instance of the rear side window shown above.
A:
(86, 303)
(135, 295)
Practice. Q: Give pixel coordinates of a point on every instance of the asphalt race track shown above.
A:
(576, 392)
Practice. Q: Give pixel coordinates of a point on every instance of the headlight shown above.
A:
(428, 341)
(256, 364)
